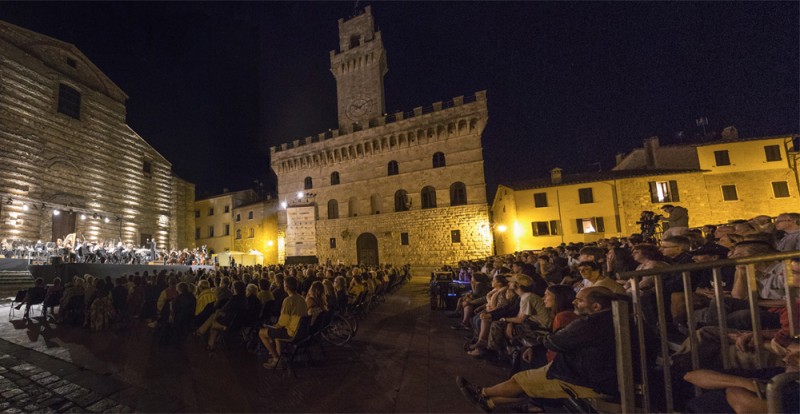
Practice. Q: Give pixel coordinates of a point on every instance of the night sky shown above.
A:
(213, 85)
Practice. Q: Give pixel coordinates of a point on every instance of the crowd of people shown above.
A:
(546, 315)
(266, 300)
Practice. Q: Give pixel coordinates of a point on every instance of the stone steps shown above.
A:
(11, 282)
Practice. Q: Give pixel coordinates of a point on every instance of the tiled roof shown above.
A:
(569, 179)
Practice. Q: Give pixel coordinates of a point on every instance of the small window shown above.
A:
(211, 211)
(780, 189)
(335, 178)
(147, 168)
(401, 201)
(663, 191)
(210, 231)
(458, 194)
(590, 225)
(69, 101)
(404, 239)
(333, 209)
(428, 197)
(455, 236)
(438, 160)
(227, 209)
(721, 158)
(197, 233)
(585, 195)
(227, 230)
(540, 200)
(541, 228)
(333, 242)
(393, 168)
(251, 233)
(772, 152)
(238, 234)
(355, 40)
(308, 184)
(197, 214)
(249, 215)
(729, 193)
(238, 217)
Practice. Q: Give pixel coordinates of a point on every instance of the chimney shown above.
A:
(555, 175)
(651, 152)
(619, 157)
(730, 133)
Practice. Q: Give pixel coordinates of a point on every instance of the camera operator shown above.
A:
(678, 220)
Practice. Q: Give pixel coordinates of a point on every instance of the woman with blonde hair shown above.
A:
(316, 302)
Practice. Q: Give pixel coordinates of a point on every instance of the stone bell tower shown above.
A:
(359, 68)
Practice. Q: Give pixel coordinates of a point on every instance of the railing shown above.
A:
(623, 338)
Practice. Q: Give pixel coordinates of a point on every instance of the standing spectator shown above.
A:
(678, 220)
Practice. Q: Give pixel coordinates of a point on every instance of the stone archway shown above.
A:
(367, 249)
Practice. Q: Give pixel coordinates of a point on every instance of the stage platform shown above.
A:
(14, 265)
(67, 270)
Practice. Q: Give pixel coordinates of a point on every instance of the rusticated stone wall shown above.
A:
(429, 236)
(94, 164)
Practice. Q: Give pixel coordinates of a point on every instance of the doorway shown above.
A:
(367, 249)
(63, 224)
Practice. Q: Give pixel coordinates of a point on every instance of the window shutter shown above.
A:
(599, 225)
(579, 222)
(653, 192)
(673, 191)
(554, 227)
(534, 228)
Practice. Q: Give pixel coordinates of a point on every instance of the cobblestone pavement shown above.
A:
(404, 359)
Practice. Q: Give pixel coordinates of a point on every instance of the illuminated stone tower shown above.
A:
(359, 68)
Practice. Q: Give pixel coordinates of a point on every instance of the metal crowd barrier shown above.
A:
(627, 388)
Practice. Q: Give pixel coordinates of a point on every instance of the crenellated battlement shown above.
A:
(398, 121)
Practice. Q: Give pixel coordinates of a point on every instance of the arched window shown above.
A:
(238, 234)
(458, 194)
(333, 209)
(438, 160)
(428, 197)
(307, 184)
(335, 178)
(375, 204)
(355, 40)
(352, 207)
(251, 233)
(401, 201)
(393, 168)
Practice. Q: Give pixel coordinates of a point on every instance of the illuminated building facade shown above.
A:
(214, 219)
(407, 187)
(255, 227)
(717, 181)
(70, 163)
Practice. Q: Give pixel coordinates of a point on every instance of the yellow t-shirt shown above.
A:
(294, 307)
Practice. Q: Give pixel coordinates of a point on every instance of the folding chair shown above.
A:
(17, 300)
(290, 347)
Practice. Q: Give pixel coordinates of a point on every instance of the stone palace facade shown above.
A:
(398, 188)
(70, 163)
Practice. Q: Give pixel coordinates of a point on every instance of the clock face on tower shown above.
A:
(358, 108)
